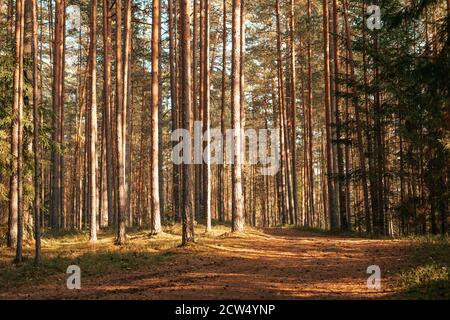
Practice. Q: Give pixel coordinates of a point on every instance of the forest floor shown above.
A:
(276, 263)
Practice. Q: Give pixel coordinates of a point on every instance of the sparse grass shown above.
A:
(427, 277)
(338, 233)
(430, 277)
(62, 249)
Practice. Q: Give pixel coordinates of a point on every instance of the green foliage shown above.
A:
(430, 279)
(409, 70)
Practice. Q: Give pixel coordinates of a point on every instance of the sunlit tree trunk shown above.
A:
(186, 106)
(221, 167)
(156, 226)
(309, 120)
(57, 88)
(293, 112)
(237, 201)
(15, 234)
(174, 107)
(92, 125)
(120, 130)
(326, 50)
(107, 108)
(206, 176)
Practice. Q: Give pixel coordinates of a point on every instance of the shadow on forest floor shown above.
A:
(278, 263)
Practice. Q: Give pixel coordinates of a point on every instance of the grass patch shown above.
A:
(430, 277)
(335, 233)
(61, 250)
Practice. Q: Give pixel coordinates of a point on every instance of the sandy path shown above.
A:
(275, 264)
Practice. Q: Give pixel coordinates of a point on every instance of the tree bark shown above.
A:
(237, 203)
(107, 111)
(340, 157)
(156, 226)
(221, 167)
(36, 141)
(186, 105)
(120, 130)
(15, 223)
(206, 176)
(58, 79)
(174, 108)
(92, 125)
(326, 50)
(293, 111)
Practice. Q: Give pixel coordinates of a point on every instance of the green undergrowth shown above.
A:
(429, 278)
(62, 249)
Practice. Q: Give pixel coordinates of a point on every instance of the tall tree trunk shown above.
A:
(379, 150)
(15, 223)
(329, 156)
(199, 196)
(293, 111)
(237, 202)
(285, 154)
(221, 167)
(174, 107)
(103, 196)
(92, 125)
(36, 141)
(186, 105)
(20, 16)
(62, 169)
(242, 98)
(120, 130)
(206, 118)
(310, 177)
(127, 100)
(58, 48)
(156, 226)
(107, 109)
(337, 99)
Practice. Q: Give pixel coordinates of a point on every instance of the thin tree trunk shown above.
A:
(340, 157)
(56, 127)
(92, 125)
(293, 112)
(120, 130)
(15, 234)
(127, 47)
(206, 118)
(174, 108)
(332, 209)
(186, 104)
(237, 202)
(36, 141)
(221, 167)
(156, 226)
(107, 109)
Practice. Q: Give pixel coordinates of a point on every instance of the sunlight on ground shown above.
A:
(272, 263)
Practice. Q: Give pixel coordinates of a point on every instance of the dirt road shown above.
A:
(272, 264)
